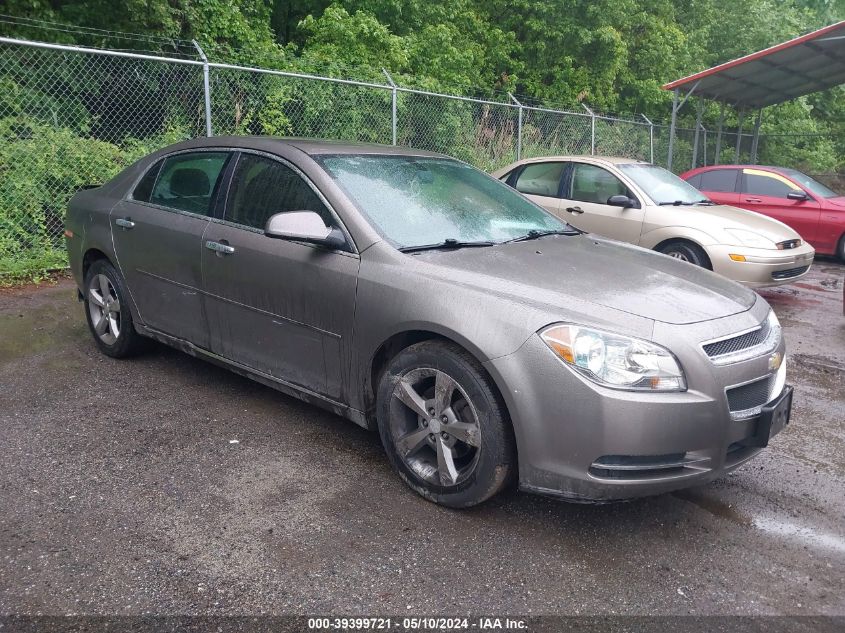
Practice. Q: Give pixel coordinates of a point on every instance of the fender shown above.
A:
(653, 238)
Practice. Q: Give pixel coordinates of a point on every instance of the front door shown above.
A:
(157, 235)
(585, 204)
(282, 308)
(765, 192)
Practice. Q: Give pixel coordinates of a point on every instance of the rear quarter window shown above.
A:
(144, 189)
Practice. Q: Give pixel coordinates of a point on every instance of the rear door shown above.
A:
(541, 183)
(766, 192)
(157, 233)
(282, 308)
(585, 204)
(720, 185)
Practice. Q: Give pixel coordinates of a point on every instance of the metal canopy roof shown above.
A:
(806, 64)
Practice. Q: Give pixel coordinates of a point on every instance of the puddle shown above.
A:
(714, 507)
(821, 363)
(782, 528)
(801, 534)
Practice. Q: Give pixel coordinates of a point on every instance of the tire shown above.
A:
(444, 425)
(110, 321)
(686, 252)
(840, 249)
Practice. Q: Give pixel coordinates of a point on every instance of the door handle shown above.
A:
(575, 210)
(219, 248)
(753, 200)
(125, 223)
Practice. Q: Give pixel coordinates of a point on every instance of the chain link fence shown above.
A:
(69, 119)
(73, 116)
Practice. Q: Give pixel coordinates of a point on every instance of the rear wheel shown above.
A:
(686, 252)
(444, 426)
(107, 312)
(840, 250)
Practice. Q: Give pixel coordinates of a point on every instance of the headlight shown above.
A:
(774, 327)
(614, 360)
(749, 238)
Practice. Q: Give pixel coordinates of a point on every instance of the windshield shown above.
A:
(417, 201)
(661, 185)
(813, 186)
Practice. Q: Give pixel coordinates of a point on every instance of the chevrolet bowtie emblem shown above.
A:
(775, 360)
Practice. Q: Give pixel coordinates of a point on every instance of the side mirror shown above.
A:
(621, 201)
(304, 226)
(797, 195)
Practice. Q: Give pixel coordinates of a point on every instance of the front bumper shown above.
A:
(762, 267)
(585, 442)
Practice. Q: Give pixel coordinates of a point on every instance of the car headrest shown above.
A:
(189, 181)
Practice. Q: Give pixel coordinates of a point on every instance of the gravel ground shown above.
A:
(165, 485)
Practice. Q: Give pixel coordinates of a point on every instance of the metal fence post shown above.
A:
(650, 138)
(518, 127)
(739, 134)
(392, 102)
(756, 138)
(205, 87)
(672, 129)
(592, 128)
(698, 126)
(718, 152)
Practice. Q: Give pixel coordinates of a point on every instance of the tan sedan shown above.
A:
(640, 203)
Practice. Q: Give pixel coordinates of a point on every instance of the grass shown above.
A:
(30, 267)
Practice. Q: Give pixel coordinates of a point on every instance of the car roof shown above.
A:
(309, 146)
(608, 160)
(780, 170)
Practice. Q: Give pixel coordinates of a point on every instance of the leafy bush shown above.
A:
(41, 167)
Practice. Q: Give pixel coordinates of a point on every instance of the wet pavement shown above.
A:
(166, 485)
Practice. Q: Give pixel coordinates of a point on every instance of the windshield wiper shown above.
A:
(533, 234)
(678, 203)
(446, 244)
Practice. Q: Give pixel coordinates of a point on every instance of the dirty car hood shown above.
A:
(736, 218)
(599, 271)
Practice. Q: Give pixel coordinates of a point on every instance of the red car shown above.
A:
(814, 211)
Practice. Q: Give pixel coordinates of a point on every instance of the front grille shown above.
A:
(738, 343)
(747, 400)
(789, 273)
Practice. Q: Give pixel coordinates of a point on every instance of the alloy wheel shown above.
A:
(435, 427)
(104, 308)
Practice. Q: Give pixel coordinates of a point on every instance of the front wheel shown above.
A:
(443, 425)
(686, 252)
(107, 311)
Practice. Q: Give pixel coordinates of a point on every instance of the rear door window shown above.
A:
(722, 180)
(540, 179)
(766, 183)
(695, 181)
(187, 182)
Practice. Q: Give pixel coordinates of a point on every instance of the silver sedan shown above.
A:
(487, 341)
